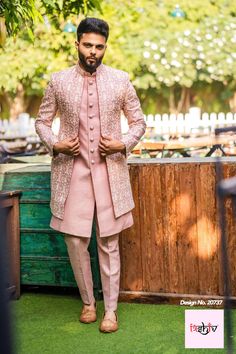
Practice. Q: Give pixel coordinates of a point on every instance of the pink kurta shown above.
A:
(89, 188)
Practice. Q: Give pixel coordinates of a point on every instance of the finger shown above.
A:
(104, 143)
(76, 152)
(102, 146)
(75, 143)
(103, 140)
(73, 138)
(75, 147)
(106, 137)
(101, 149)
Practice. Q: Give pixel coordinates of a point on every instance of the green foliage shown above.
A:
(162, 54)
(19, 12)
(146, 40)
(206, 53)
(68, 8)
(25, 13)
(31, 63)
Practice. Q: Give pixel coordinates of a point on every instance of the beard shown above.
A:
(88, 65)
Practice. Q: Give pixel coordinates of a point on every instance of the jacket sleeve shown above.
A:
(133, 112)
(46, 114)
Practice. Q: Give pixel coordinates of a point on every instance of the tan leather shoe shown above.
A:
(88, 315)
(109, 325)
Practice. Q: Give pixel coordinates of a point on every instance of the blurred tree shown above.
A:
(15, 14)
(26, 66)
(176, 57)
(173, 62)
(28, 59)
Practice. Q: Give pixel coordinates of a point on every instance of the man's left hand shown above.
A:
(108, 146)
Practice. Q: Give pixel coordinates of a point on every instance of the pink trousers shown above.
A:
(109, 263)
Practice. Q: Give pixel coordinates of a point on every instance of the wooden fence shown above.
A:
(161, 124)
(183, 124)
(174, 248)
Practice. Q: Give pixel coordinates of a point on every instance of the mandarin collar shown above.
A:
(86, 73)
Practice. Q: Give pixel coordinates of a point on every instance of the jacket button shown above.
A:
(90, 116)
(92, 127)
(90, 105)
(90, 82)
(91, 139)
(91, 150)
(92, 162)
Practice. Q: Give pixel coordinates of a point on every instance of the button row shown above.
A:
(91, 116)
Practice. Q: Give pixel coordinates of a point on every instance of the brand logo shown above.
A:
(204, 328)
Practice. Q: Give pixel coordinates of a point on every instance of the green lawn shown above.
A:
(49, 323)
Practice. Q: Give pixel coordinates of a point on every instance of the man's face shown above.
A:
(91, 49)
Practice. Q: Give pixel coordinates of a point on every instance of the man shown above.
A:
(89, 172)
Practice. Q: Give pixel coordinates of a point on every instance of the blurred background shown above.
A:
(181, 57)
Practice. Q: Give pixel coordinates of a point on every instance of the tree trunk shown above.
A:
(172, 104)
(232, 103)
(19, 103)
(184, 102)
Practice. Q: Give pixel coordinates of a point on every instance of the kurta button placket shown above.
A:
(90, 182)
(91, 115)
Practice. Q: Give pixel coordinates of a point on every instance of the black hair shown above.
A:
(95, 25)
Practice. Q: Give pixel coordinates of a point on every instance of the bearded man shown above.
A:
(89, 172)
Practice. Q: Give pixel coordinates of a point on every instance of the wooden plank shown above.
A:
(24, 180)
(130, 243)
(229, 170)
(189, 300)
(207, 229)
(35, 216)
(171, 260)
(36, 271)
(33, 194)
(48, 272)
(151, 218)
(186, 229)
(42, 244)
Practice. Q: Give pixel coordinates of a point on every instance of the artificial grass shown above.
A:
(48, 324)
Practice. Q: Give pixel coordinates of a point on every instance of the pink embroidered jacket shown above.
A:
(115, 93)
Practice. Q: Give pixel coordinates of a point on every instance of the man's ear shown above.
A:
(76, 43)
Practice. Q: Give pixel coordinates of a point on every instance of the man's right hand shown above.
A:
(69, 146)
